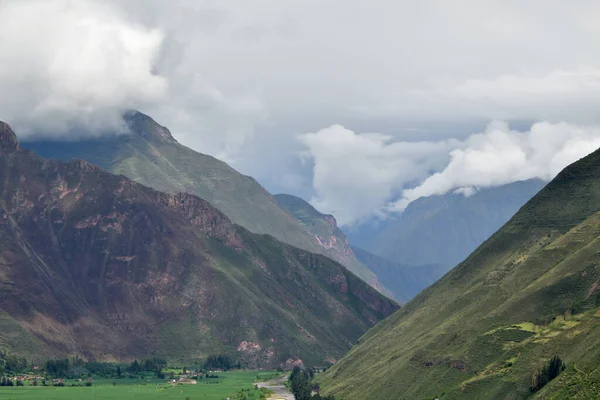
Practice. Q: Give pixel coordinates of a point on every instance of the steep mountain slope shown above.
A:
(95, 264)
(528, 293)
(445, 229)
(404, 281)
(324, 228)
(151, 156)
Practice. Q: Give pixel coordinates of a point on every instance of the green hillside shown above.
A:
(151, 156)
(324, 228)
(96, 265)
(528, 293)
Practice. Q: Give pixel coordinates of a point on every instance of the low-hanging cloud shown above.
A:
(77, 65)
(240, 80)
(358, 176)
(354, 174)
(71, 68)
(501, 155)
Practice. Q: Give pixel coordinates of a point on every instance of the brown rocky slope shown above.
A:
(97, 265)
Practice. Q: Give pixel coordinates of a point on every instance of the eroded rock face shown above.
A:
(8, 139)
(87, 254)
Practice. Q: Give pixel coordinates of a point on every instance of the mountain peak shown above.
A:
(8, 139)
(147, 128)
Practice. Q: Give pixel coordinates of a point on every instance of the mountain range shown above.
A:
(528, 293)
(445, 229)
(403, 281)
(97, 265)
(433, 234)
(147, 153)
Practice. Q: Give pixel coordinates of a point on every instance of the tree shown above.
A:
(547, 373)
(301, 386)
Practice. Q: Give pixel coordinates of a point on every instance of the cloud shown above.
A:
(500, 156)
(70, 68)
(68, 65)
(240, 80)
(571, 95)
(357, 176)
(354, 174)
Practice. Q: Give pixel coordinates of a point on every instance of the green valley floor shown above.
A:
(233, 385)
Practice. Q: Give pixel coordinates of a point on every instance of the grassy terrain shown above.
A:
(229, 384)
(324, 228)
(528, 293)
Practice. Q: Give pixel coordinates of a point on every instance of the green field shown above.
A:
(229, 384)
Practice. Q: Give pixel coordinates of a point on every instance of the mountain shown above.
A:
(530, 292)
(150, 155)
(324, 228)
(444, 230)
(97, 265)
(404, 281)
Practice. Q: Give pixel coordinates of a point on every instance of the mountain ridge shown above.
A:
(150, 155)
(528, 293)
(88, 254)
(445, 229)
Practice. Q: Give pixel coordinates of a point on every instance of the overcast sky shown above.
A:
(358, 106)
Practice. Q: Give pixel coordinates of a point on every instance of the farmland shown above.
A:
(234, 385)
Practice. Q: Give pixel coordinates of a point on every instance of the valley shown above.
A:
(299, 200)
(233, 385)
(527, 294)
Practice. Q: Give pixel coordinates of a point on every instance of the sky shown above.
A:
(360, 107)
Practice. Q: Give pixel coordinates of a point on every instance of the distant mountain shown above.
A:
(444, 230)
(94, 264)
(151, 156)
(324, 228)
(527, 294)
(404, 281)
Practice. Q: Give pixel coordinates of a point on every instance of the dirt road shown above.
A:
(277, 386)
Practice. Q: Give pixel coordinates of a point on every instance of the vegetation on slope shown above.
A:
(87, 254)
(527, 294)
(324, 228)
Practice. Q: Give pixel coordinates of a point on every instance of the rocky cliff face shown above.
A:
(97, 265)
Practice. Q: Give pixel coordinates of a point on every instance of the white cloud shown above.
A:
(240, 80)
(66, 65)
(70, 68)
(500, 156)
(356, 176)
